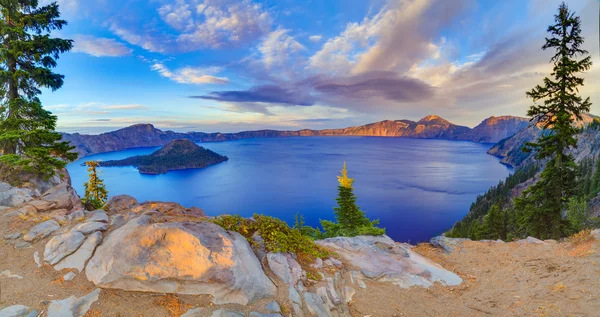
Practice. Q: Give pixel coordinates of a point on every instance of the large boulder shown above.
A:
(182, 258)
(63, 196)
(447, 244)
(120, 203)
(380, 258)
(14, 196)
(62, 245)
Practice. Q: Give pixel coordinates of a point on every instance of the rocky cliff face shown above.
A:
(510, 149)
(430, 127)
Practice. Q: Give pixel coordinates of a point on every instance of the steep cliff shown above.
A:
(430, 127)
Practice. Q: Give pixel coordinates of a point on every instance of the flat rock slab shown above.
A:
(380, 258)
(14, 311)
(89, 227)
(73, 306)
(96, 215)
(182, 258)
(77, 260)
(62, 245)
(42, 205)
(41, 230)
(285, 267)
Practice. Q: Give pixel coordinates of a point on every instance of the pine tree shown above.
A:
(350, 220)
(542, 204)
(28, 139)
(95, 191)
(495, 224)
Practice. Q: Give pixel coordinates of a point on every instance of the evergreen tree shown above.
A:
(495, 224)
(542, 204)
(350, 220)
(95, 191)
(28, 139)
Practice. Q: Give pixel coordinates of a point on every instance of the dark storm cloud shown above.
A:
(265, 94)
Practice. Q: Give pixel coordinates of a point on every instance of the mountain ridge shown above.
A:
(429, 127)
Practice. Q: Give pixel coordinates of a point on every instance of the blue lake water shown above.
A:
(417, 188)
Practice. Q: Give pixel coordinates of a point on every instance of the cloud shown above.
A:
(99, 46)
(146, 41)
(125, 107)
(277, 47)
(190, 75)
(315, 38)
(264, 94)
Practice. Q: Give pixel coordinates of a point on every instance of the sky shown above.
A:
(227, 66)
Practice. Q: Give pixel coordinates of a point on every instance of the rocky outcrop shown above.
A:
(447, 244)
(382, 259)
(431, 127)
(180, 257)
(73, 306)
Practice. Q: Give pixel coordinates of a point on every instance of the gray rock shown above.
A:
(447, 244)
(33, 313)
(315, 305)
(285, 267)
(255, 314)
(196, 312)
(14, 311)
(226, 313)
(120, 203)
(64, 196)
(41, 230)
(12, 236)
(73, 306)
(380, 258)
(273, 307)
(336, 262)
(78, 259)
(117, 221)
(348, 294)
(596, 233)
(297, 310)
(328, 262)
(14, 196)
(180, 257)
(36, 258)
(96, 215)
(22, 245)
(69, 276)
(9, 274)
(76, 215)
(531, 240)
(318, 264)
(333, 295)
(42, 205)
(62, 245)
(89, 227)
(294, 296)
(361, 283)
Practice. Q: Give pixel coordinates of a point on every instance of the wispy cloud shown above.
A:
(315, 38)
(99, 46)
(191, 75)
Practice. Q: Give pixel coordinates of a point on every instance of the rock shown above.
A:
(196, 312)
(285, 267)
(22, 245)
(64, 196)
(226, 313)
(69, 276)
(336, 262)
(36, 258)
(62, 245)
(180, 257)
(12, 236)
(97, 216)
(382, 259)
(531, 240)
(120, 203)
(315, 305)
(89, 227)
(446, 244)
(335, 298)
(73, 306)
(273, 307)
(77, 260)
(41, 230)
(26, 211)
(348, 294)
(42, 205)
(14, 196)
(76, 215)
(167, 208)
(294, 296)
(297, 310)
(14, 311)
(9, 274)
(318, 264)
(596, 234)
(117, 221)
(328, 262)
(33, 313)
(255, 314)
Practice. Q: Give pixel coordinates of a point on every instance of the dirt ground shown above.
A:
(499, 280)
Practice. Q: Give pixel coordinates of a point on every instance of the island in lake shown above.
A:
(175, 155)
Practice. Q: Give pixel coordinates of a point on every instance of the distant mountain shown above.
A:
(175, 155)
(431, 127)
(509, 149)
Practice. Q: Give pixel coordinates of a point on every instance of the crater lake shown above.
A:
(417, 188)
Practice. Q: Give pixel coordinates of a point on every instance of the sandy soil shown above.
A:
(500, 280)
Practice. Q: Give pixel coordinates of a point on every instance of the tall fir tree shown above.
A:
(28, 139)
(95, 190)
(350, 220)
(543, 203)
